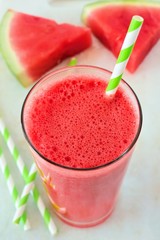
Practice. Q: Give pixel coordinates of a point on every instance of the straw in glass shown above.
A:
(125, 53)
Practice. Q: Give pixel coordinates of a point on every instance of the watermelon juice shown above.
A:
(81, 140)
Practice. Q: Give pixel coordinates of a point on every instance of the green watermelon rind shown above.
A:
(8, 54)
(95, 5)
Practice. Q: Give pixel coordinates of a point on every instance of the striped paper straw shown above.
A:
(12, 187)
(25, 194)
(24, 172)
(72, 62)
(44, 212)
(125, 53)
(13, 150)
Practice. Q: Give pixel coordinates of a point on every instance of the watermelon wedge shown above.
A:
(33, 45)
(109, 22)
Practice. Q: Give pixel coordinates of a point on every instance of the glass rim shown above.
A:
(45, 77)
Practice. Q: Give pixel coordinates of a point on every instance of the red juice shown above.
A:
(81, 140)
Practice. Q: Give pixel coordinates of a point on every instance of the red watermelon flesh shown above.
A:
(109, 22)
(28, 41)
(76, 38)
(36, 44)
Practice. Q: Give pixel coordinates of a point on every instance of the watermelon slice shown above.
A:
(109, 22)
(33, 45)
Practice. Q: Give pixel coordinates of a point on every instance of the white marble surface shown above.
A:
(137, 215)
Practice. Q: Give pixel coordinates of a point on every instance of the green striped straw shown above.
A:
(125, 53)
(12, 188)
(25, 194)
(72, 62)
(24, 172)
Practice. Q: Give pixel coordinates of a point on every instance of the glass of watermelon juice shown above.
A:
(81, 140)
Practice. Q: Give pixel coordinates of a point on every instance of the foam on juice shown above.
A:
(75, 124)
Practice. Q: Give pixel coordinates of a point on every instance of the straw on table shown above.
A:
(72, 62)
(12, 187)
(24, 172)
(125, 53)
(25, 194)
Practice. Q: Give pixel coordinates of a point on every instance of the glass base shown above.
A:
(84, 224)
